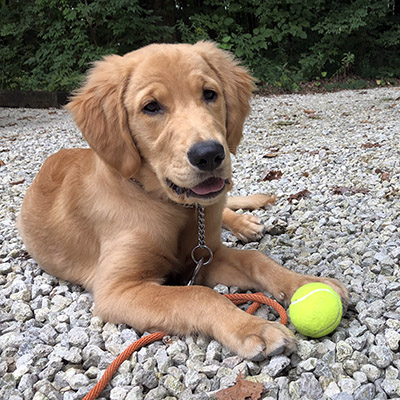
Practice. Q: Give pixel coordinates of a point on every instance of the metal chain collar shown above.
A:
(201, 245)
(201, 237)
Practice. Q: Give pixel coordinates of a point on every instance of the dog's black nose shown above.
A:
(206, 155)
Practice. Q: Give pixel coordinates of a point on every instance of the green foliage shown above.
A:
(48, 44)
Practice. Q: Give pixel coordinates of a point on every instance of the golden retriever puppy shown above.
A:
(161, 123)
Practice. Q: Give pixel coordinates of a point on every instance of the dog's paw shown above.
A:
(248, 228)
(338, 287)
(259, 339)
(284, 297)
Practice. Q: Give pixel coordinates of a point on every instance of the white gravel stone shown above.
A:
(51, 345)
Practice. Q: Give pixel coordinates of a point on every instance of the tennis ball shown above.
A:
(315, 309)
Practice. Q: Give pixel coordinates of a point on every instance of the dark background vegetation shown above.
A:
(49, 44)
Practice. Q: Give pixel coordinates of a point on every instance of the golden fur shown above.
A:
(84, 220)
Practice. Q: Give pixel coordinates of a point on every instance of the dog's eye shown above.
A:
(152, 108)
(209, 95)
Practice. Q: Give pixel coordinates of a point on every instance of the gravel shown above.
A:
(340, 150)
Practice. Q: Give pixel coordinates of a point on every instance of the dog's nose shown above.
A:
(206, 155)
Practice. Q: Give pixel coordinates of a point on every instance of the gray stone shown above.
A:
(276, 365)
(373, 373)
(173, 385)
(344, 350)
(118, 393)
(374, 324)
(21, 311)
(156, 393)
(135, 394)
(351, 366)
(307, 365)
(196, 353)
(77, 381)
(53, 366)
(348, 385)
(305, 349)
(210, 370)
(322, 369)
(92, 356)
(5, 268)
(213, 351)
(48, 335)
(59, 303)
(148, 379)
(47, 389)
(73, 355)
(391, 372)
(342, 396)
(27, 381)
(163, 360)
(331, 390)
(92, 372)
(78, 337)
(381, 356)
(392, 338)
(365, 392)
(309, 386)
(391, 387)
(360, 377)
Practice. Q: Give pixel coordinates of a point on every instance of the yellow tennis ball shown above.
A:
(315, 309)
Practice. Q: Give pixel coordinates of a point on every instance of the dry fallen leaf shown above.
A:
(370, 145)
(347, 190)
(241, 390)
(385, 176)
(300, 195)
(271, 175)
(270, 155)
(2, 163)
(17, 182)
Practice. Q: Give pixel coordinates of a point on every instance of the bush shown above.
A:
(48, 44)
(284, 42)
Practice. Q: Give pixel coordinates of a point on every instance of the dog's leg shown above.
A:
(246, 227)
(251, 202)
(126, 290)
(190, 309)
(250, 269)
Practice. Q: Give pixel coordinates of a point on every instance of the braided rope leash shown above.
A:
(239, 298)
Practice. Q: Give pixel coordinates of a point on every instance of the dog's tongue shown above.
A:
(210, 185)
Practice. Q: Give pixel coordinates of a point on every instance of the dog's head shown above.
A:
(177, 110)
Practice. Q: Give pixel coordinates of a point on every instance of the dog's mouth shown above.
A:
(207, 189)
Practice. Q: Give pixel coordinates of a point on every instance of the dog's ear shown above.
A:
(99, 112)
(237, 84)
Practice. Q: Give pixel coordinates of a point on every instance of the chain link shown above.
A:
(201, 244)
(201, 229)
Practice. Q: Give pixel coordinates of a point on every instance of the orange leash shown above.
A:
(239, 298)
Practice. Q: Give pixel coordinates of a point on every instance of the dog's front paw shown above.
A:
(259, 339)
(248, 228)
(284, 296)
(338, 287)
